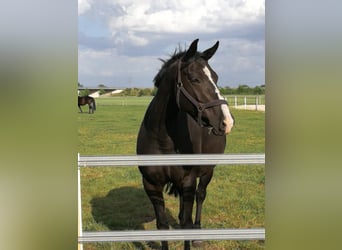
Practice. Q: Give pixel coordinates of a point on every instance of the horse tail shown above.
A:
(170, 189)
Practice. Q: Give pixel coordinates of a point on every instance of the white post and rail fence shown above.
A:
(168, 235)
(247, 102)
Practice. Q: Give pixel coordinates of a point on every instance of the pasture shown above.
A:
(114, 199)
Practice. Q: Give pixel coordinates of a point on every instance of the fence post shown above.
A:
(235, 100)
(256, 102)
(245, 102)
(80, 245)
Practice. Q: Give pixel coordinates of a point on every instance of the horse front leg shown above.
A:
(80, 108)
(155, 194)
(201, 193)
(186, 204)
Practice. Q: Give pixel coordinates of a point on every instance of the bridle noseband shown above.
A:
(200, 106)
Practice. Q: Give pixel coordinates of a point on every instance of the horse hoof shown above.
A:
(197, 243)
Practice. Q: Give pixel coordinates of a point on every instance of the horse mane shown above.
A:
(177, 54)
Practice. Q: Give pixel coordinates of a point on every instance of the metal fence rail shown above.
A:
(168, 235)
(174, 160)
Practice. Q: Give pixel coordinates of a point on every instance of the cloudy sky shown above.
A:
(121, 41)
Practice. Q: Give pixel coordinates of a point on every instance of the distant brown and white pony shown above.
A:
(84, 100)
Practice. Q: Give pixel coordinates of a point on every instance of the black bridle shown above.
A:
(199, 106)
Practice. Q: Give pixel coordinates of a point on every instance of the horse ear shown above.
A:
(210, 52)
(191, 51)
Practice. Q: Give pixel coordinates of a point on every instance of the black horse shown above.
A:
(84, 100)
(188, 115)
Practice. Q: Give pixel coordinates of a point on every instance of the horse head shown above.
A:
(197, 93)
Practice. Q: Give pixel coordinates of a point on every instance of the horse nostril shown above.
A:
(226, 126)
(223, 125)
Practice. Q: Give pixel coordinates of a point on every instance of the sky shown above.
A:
(120, 42)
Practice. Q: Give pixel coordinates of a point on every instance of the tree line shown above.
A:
(243, 90)
(240, 90)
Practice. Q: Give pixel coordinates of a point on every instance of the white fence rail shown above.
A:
(247, 102)
(174, 160)
(159, 160)
(159, 235)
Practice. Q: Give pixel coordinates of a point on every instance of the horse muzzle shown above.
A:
(227, 125)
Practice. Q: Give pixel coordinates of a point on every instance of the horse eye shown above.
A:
(194, 80)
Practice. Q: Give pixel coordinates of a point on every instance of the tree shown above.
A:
(154, 91)
(84, 92)
(226, 91)
(144, 92)
(257, 90)
(243, 89)
(102, 91)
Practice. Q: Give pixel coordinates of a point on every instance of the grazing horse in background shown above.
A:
(84, 100)
(188, 115)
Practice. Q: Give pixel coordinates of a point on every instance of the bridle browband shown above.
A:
(199, 106)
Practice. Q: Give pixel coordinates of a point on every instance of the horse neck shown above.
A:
(163, 108)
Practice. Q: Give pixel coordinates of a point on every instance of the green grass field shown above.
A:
(114, 199)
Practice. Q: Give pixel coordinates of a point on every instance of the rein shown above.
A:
(199, 106)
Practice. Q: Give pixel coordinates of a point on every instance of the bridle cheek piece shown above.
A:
(200, 106)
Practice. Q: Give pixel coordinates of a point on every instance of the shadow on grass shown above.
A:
(127, 208)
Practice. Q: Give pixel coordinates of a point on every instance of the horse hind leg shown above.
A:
(91, 107)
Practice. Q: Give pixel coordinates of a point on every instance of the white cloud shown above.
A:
(175, 16)
(138, 32)
(84, 6)
(107, 64)
(139, 41)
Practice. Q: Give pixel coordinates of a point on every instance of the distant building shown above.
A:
(95, 92)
